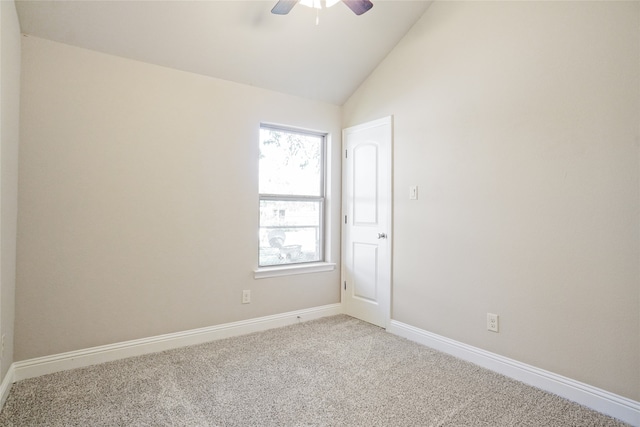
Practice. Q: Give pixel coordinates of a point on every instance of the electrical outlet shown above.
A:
(246, 296)
(492, 322)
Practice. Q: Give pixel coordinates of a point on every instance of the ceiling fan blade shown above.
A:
(358, 6)
(284, 6)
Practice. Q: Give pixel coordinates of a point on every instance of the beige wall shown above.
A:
(138, 201)
(9, 128)
(519, 123)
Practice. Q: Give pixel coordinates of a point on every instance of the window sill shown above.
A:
(289, 270)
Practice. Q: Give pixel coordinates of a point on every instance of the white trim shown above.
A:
(95, 355)
(288, 270)
(600, 400)
(5, 386)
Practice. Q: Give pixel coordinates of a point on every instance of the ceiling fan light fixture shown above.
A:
(317, 4)
(283, 7)
(311, 3)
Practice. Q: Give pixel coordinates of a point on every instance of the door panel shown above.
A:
(365, 280)
(367, 202)
(365, 184)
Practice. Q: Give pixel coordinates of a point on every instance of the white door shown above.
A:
(366, 226)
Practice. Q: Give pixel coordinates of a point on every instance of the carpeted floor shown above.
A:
(336, 371)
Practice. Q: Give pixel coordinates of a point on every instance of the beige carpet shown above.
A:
(336, 371)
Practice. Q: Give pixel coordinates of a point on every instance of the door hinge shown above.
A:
(345, 285)
(346, 155)
(345, 219)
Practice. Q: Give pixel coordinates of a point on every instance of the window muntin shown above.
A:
(291, 186)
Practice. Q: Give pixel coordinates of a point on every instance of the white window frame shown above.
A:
(303, 267)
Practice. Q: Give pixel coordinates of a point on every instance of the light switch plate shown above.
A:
(413, 192)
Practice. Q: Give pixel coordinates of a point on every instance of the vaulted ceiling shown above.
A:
(236, 40)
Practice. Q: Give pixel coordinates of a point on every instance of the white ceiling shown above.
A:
(237, 40)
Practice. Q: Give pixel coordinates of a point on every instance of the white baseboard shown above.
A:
(106, 353)
(5, 386)
(619, 407)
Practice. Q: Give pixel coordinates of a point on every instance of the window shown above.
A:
(292, 196)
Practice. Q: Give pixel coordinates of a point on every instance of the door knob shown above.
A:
(382, 236)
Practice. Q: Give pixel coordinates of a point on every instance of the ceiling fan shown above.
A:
(357, 6)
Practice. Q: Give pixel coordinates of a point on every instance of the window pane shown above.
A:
(289, 231)
(290, 163)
